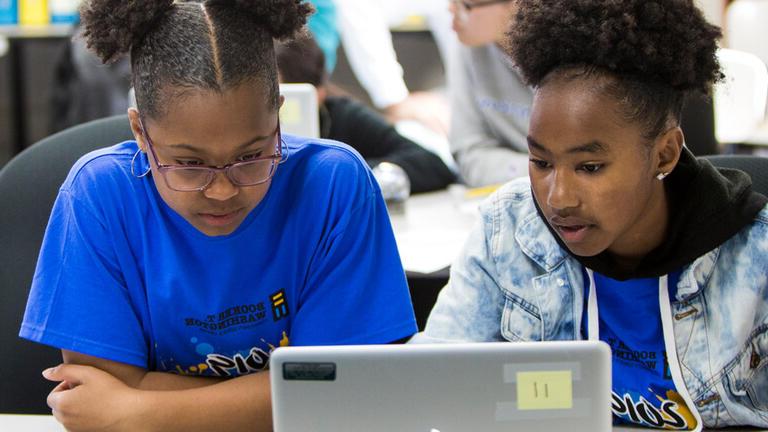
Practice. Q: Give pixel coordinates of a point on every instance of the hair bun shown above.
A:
(280, 18)
(112, 27)
(667, 42)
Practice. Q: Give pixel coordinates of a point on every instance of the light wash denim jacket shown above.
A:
(514, 282)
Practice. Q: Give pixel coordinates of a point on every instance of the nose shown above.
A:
(562, 193)
(221, 188)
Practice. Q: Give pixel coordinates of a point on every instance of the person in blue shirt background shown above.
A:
(322, 25)
(185, 257)
(619, 233)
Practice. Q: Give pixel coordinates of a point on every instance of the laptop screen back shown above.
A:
(539, 386)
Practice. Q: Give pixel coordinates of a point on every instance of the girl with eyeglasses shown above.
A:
(173, 265)
(620, 234)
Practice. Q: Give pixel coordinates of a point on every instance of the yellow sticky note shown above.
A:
(544, 390)
(482, 191)
(290, 112)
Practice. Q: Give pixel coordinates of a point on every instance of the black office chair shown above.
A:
(698, 124)
(755, 166)
(28, 186)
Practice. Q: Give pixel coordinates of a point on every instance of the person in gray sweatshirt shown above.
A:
(490, 104)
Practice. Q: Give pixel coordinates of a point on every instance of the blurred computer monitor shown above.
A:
(299, 114)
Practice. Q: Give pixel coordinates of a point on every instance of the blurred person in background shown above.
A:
(347, 120)
(365, 33)
(490, 103)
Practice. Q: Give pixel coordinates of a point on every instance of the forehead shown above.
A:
(247, 98)
(215, 122)
(192, 108)
(568, 112)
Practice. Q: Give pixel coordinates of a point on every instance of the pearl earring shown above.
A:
(661, 175)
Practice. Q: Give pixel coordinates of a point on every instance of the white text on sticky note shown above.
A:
(544, 390)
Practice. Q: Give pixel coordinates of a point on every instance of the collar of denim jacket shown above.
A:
(695, 276)
(537, 243)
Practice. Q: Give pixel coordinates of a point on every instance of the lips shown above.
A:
(220, 218)
(571, 229)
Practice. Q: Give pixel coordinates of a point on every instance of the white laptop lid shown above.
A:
(532, 386)
(299, 114)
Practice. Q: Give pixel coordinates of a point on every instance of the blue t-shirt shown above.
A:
(630, 322)
(122, 276)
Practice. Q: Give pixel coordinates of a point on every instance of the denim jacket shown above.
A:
(514, 282)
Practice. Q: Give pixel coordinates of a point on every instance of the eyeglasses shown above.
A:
(251, 172)
(464, 7)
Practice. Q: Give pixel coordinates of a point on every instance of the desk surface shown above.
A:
(45, 423)
(433, 227)
(30, 423)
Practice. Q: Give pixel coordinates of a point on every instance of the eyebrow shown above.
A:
(243, 146)
(590, 147)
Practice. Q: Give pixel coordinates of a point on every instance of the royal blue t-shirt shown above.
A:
(630, 322)
(122, 276)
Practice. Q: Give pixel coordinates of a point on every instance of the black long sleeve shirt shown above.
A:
(351, 122)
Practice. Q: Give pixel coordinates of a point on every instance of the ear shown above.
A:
(138, 133)
(668, 148)
(280, 101)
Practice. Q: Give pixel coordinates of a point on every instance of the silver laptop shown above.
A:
(299, 114)
(532, 386)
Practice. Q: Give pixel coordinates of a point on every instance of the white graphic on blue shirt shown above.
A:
(215, 340)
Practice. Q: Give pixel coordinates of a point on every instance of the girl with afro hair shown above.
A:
(620, 234)
(174, 264)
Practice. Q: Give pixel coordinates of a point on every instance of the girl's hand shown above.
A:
(89, 399)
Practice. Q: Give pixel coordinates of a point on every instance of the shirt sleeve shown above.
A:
(78, 300)
(368, 45)
(356, 291)
(469, 308)
(378, 141)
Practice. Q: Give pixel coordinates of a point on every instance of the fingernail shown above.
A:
(48, 372)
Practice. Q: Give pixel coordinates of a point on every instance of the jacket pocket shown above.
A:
(748, 376)
(520, 320)
(757, 385)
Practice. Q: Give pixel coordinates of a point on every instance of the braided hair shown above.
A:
(177, 46)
